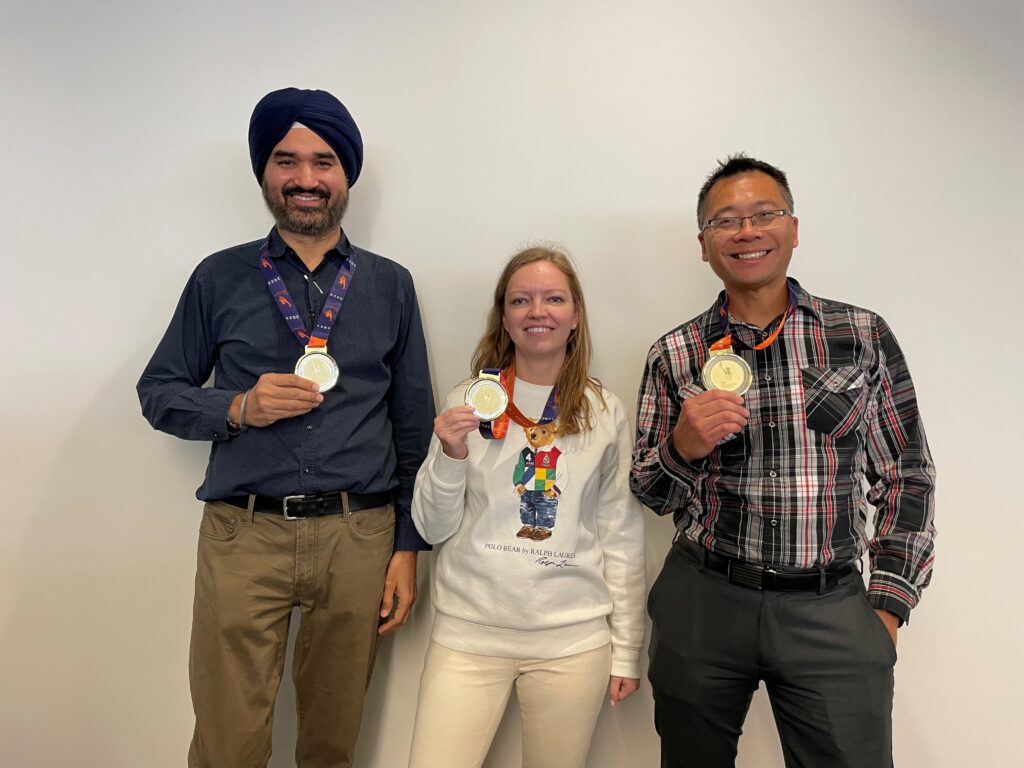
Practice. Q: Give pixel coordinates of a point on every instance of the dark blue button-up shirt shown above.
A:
(369, 435)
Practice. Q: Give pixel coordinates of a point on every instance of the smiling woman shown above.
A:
(539, 315)
(540, 521)
(498, 348)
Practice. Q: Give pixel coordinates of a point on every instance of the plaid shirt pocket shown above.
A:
(834, 398)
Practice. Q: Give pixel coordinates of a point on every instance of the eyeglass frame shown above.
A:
(778, 214)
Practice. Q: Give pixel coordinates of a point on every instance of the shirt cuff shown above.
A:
(213, 421)
(625, 661)
(676, 466)
(407, 538)
(892, 593)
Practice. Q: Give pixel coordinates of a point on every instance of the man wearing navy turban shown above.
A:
(319, 414)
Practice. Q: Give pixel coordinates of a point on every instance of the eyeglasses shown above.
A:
(730, 225)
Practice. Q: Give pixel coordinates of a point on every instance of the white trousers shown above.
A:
(463, 697)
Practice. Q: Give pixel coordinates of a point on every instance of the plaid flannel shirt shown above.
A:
(832, 412)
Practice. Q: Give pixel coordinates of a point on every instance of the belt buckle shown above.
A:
(746, 575)
(284, 507)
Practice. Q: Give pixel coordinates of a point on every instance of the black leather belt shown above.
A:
(771, 577)
(312, 505)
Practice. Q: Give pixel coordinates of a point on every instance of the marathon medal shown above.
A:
(726, 370)
(487, 396)
(314, 364)
(491, 399)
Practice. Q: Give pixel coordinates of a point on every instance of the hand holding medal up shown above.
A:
(486, 399)
(452, 427)
(489, 407)
(712, 416)
(276, 396)
(705, 419)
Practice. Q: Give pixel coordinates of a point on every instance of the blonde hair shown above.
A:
(496, 349)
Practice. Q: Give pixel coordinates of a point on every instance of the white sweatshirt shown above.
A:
(499, 595)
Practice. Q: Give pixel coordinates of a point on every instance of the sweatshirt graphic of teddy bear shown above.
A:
(535, 479)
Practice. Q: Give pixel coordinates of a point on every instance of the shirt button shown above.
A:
(771, 424)
(764, 334)
(774, 523)
(309, 427)
(767, 377)
(306, 471)
(216, 435)
(770, 474)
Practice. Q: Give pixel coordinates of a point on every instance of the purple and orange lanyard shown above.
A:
(497, 429)
(328, 315)
(725, 343)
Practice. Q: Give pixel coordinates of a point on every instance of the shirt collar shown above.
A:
(278, 247)
(804, 301)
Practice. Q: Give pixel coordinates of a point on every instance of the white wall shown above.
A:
(487, 125)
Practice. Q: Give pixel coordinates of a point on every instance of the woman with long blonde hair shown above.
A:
(539, 578)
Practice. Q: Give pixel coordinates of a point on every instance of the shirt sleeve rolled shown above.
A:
(901, 475)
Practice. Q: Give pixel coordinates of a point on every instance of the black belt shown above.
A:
(312, 505)
(773, 577)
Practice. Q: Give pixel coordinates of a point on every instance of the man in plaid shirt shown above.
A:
(770, 493)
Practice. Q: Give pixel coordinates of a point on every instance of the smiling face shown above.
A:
(304, 184)
(539, 314)
(751, 259)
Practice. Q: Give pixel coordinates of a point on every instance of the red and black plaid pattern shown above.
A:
(832, 413)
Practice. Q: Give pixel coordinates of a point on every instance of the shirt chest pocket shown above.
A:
(834, 398)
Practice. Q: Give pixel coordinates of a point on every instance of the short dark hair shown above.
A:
(734, 165)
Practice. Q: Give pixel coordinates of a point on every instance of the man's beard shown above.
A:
(313, 222)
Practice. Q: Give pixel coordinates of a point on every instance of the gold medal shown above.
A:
(316, 365)
(487, 396)
(726, 370)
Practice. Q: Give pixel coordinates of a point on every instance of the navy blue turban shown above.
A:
(319, 111)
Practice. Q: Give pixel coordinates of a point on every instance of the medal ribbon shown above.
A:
(497, 429)
(725, 343)
(283, 300)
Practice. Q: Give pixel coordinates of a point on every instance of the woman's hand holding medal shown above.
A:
(705, 419)
(276, 396)
(452, 427)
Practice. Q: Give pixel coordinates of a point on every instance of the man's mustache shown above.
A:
(294, 190)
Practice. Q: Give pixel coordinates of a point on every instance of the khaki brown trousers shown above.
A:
(252, 570)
